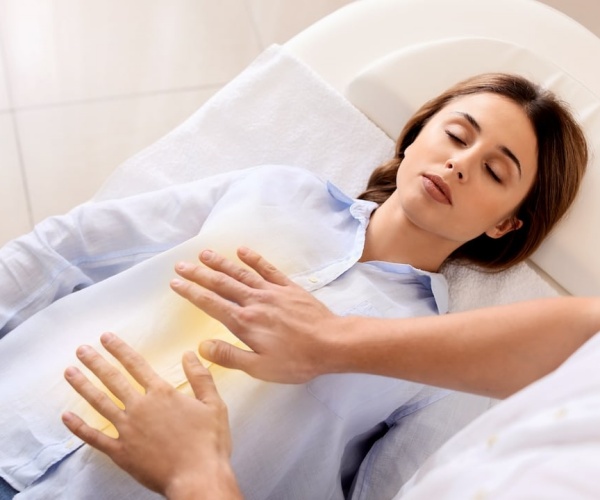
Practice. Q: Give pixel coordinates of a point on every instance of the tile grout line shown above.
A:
(22, 169)
(255, 29)
(116, 97)
(17, 137)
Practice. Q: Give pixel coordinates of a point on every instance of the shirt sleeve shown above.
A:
(99, 239)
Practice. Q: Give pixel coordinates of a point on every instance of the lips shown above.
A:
(437, 188)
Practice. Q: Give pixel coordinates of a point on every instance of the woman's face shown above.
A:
(469, 168)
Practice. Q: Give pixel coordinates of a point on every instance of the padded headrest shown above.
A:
(392, 88)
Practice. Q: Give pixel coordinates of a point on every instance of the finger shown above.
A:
(94, 396)
(242, 274)
(109, 375)
(131, 360)
(216, 281)
(91, 436)
(263, 267)
(229, 356)
(223, 310)
(200, 378)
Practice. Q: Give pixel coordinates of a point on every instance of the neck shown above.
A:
(392, 237)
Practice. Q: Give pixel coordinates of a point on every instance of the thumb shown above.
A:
(227, 355)
(199, 377)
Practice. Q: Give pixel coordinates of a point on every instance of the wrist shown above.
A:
(346, 344)
(216, 483)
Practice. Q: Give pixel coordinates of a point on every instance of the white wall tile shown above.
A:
(278, 20)
(585, 12)
(71, 50)
(14, 214)
(69, 151)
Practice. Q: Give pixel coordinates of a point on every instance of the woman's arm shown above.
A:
(97, 240)
(493, 351)
(171, 443)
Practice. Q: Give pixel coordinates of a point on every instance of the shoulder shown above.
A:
(276, 172)
(282, 181)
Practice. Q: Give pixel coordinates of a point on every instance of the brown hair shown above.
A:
(562, 160)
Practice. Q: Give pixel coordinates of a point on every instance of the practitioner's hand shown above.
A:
(288, 330)
(171, 443)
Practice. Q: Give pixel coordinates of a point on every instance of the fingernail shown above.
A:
(82, 350)
(182, 266)
(243, 250)
(107, 337)
(207, 349)
(71, 371)
(176, 283)
(207, 255)
(190, 356)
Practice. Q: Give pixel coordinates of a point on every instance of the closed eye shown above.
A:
(455, 138)
(492, 173)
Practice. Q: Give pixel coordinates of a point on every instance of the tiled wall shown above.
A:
(85, 84)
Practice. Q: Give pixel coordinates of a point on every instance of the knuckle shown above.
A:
(224, 356)
(206, 379)
(163, 390)
(120, 455)
(127, 357)
(246, 316)
(86, 433)
(221, 352)
(241, 274)
(97, 398)
(264, 264)
(78, 428)
(264, 296)
(193, 293)
(268, 267)
(220, 279)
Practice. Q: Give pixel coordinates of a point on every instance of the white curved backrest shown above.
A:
(343, 43)
(390, 56)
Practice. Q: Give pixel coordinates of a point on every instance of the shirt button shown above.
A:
(491, 441)
(560, 413)
(313, 279)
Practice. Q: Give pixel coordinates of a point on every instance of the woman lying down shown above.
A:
(481, 173)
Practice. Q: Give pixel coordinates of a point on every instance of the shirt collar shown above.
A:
(436, 282)
(362, 210)
(439, 288)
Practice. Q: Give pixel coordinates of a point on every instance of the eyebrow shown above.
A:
(507, 152)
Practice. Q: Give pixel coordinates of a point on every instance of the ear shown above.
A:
(402, 154)
(504, 227)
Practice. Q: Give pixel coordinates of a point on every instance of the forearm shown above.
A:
(293, 337)
(32, 276)
(90, 243)
(493, 351)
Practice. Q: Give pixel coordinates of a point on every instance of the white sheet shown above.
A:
(278, 111)
(543, 442)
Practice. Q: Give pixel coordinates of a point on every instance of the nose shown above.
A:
(454, 166)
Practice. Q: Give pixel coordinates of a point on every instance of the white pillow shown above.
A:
(390, 89)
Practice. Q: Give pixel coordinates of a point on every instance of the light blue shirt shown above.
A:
(97, 240)
(289, 441)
